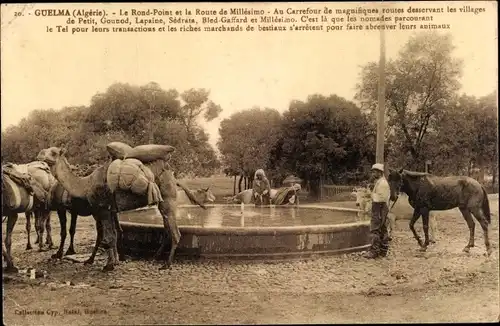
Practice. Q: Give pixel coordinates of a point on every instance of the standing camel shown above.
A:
(95, 190)
(62, 202)
(25, 195)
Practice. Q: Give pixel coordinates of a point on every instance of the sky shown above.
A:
(41, 70)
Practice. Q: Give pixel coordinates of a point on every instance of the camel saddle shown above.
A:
(132, 175)
(35, 178)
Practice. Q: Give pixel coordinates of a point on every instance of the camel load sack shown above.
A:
(118, 150)
(144, 153)
(23, 180)
(132, 175)
(16, 197)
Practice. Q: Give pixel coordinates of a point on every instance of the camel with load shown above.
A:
(106, 198)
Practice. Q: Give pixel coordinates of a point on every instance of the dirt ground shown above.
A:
(441, 285)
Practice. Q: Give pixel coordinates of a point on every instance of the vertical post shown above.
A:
(151, 106)
(381, 99)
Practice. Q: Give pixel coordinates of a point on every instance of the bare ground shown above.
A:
(441, 285)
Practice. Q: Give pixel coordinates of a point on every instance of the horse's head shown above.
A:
(395, 180)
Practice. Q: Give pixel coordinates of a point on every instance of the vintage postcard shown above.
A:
(249, 163)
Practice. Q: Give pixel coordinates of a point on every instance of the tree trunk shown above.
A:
(314, 189)
(239, 183)
(494, 175)
(234, 186)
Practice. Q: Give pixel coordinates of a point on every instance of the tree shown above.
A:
(420, 83)
(131, 114)
(324, 137)
(41, 129)
(196, 103)
(131, 109)
(246, 139)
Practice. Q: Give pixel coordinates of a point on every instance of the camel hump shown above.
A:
(118, 150)
(150, 152)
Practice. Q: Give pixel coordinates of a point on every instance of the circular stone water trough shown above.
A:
(249, 232)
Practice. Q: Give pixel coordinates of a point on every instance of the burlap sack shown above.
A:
(131, 175)
(150, 152)
(118, 150)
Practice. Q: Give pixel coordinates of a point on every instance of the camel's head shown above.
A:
(208, 196)
(51, 155)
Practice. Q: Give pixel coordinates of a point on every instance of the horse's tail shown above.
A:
(486, 206)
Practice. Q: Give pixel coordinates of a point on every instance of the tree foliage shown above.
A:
(420, 83)
(466, 137)
(324, 137)
(246, 139)
(128, 113)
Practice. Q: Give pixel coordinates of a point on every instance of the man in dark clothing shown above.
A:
(380, 209)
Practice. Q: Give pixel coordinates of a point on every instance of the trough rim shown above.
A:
(258, 230)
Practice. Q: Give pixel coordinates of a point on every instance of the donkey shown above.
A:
(427, 192)
(364, 203)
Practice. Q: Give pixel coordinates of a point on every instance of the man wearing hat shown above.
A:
(380, 199)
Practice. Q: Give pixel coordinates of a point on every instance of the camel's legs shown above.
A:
(479, 215)
(11, 222)
(168, 209)
(61, 213)
(98, 226)
(72, 230)
(28, 230)
(108, 237)
(37, 228)
(470, 223)
(40, 222)
(48, 228)
(119, 255)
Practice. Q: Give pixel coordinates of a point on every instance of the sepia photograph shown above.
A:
(249, 163)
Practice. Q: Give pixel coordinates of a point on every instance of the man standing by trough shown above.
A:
(380, 199)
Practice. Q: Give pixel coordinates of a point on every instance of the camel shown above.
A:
(80, 207)
(63, 202)
(246, 197)
(29, 193)
(202, 195)
(105, 205)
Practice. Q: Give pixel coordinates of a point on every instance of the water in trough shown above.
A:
(249, 232)
(249, 216)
